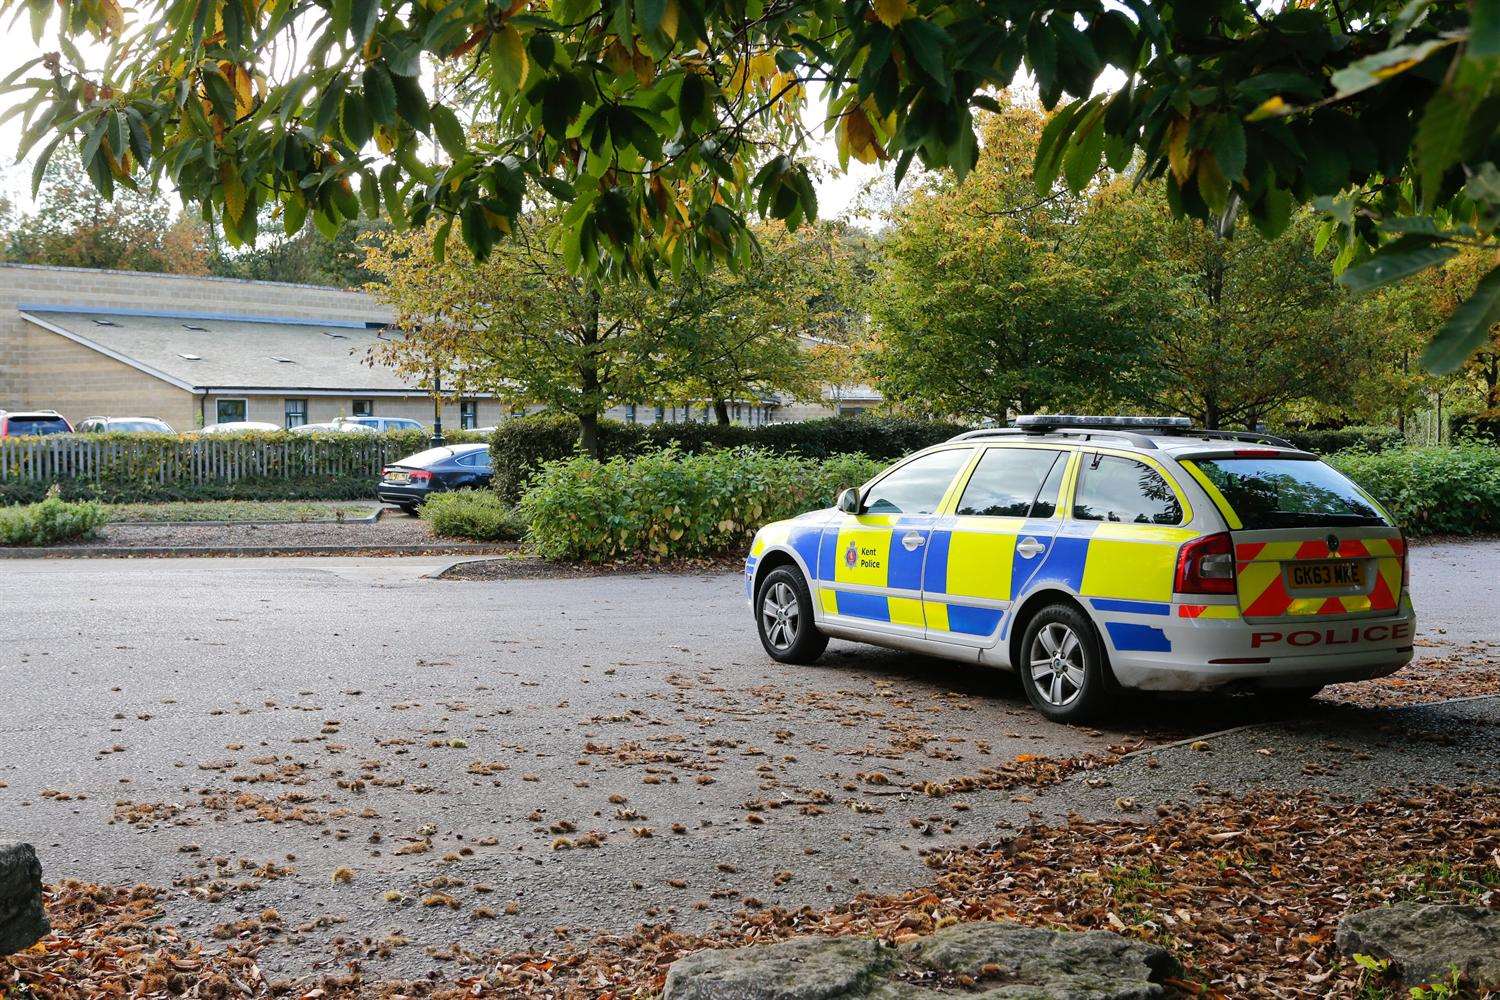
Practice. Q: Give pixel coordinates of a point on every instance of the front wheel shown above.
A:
(783, 617)
(1062, 665)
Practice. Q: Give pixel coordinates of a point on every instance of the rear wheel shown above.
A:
(1062, 665)
(410, 508)
(783, 617)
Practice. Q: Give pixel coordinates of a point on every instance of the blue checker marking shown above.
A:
(804, 541)
(973, 621)
(1130, 637)
(871, 606)
(1131, 607)
(935, 571)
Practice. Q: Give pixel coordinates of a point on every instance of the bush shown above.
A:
(668, 504)
(1432, 490)
(1327, 442)
(522, 446)
(475, 514)
(52, 520)
(1478, 426)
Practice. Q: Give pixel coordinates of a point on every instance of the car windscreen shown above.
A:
(138, 426)
(432, 456)
(23, 426)
(1288, 493)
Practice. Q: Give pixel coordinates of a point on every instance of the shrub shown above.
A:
(1327, 442)
(1479, 426)
(522, 446)
(52, 520)
(475, 514)
(668, 504)
(1432, 490)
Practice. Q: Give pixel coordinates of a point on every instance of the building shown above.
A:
(195, 351)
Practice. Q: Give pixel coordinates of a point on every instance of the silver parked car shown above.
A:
(123, 425)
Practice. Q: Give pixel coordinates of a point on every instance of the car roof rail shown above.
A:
(1249, 437)
(1059, 432)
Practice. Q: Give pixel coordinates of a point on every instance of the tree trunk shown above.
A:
(588, 435)
(721, 412)
(588, 381)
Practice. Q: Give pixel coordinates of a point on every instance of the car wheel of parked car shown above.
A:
(1062, 665)
(410, 508)
(784, 618)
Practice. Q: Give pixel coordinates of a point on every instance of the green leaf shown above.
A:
(1484, 29)
(411, 103)
(1229, 148)
(1467, 329)
(1084, 150)
(1049, 148)
(354, 119)
(1374, 69)
(363, 15)
(380, 94)
(40, 167)
(926, 43)
(1275, 212)
(1394, 261)
(449, 132)
(1439, 141)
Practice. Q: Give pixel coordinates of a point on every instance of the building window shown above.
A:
(468, 414)
(229, 411)
(630, 413)
(364, 407)
(661, 414)
(296, 413)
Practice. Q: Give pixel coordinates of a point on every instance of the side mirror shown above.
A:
(849, 501)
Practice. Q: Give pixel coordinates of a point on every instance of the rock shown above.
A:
(1006, 961)
(1425, 941)
(807, 968)
(22, 919)
(1039, 962)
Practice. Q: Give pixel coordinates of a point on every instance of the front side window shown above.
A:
(296, 412)
(1288, 493)
(230, 411)
(1006, 482)
(1124, 490)
(918, 486)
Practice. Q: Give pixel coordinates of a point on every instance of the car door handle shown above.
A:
(911, 540)
(1029, 548)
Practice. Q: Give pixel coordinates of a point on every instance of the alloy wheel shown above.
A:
(780, 616)
(1057, 667)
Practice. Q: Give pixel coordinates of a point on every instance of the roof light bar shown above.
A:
(1040, 422)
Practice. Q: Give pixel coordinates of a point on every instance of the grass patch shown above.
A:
(244, 511)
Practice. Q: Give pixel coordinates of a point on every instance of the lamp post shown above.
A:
(437, 407)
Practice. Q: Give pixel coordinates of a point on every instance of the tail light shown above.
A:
(1206, 566)
(420, 475)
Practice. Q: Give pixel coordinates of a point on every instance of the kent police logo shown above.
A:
(851, 555)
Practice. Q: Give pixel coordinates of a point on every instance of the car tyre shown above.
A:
(1062, 666)
(409, 508)
(784, 618)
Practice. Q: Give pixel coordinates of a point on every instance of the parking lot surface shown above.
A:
(391, 763)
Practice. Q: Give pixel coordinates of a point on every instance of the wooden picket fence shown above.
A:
(200, 460)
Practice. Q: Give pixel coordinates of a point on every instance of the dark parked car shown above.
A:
(410, 481)
(22, 424)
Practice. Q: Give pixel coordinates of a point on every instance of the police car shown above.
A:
(1091, 553)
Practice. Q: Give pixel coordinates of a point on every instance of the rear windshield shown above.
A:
(1288, 493)
(24, 426)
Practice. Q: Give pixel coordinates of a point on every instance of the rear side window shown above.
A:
(24, 426)
(918, 486)
(1006, 481)
(1288, 493)
(1124, 490)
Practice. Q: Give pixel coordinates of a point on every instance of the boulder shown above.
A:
(1425, 942)
(23, 922)
(1005, 961)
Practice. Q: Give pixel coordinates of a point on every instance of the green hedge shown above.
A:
(52, 520)
(256, 466)
(1480, 426)
(522, 446)
(667, 504)
(1327, 442)
(475, 514)
(1432, 490)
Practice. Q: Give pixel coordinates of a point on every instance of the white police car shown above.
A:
(1090, 552)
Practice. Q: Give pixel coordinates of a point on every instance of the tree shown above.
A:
(1238, 329)
(309, 257)
(666, 123)
(980, 309)
(778, 327)
(73, 226)
(518, 324)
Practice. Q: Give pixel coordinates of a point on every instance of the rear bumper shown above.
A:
(399, 493)
(1203, 655)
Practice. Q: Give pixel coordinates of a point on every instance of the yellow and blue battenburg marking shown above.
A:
(966, 572)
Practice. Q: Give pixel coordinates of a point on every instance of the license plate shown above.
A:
(397, 477)
(1336, 574)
